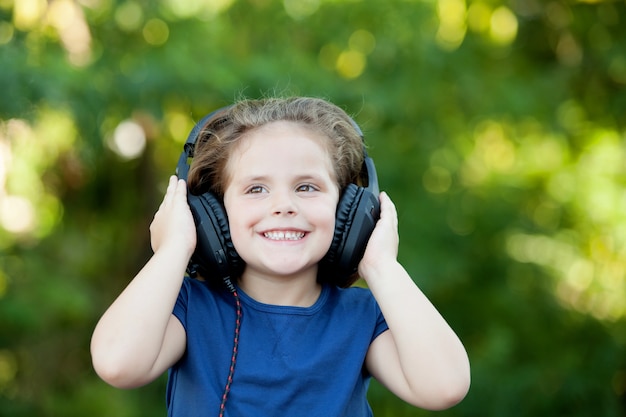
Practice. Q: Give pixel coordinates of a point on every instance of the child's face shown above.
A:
(280, 197)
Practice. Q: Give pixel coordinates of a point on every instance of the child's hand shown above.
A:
(382, 247)
(173, 222)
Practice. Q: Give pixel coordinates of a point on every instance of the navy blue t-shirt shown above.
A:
(304, 361)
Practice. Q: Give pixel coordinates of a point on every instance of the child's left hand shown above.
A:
(173, 223)
(382, 247)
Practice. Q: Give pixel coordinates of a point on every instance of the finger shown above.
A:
(171, 186)
(388, 210)
(387, 205)
(181, 190)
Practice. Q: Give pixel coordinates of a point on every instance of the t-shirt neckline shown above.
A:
(281, 309)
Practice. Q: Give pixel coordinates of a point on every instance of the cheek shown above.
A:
(329, 231)
(325, 216)
(239, 230)
(235, 220)
(237, 216)
(330, 215)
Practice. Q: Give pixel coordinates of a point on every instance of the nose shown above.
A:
(283, 204)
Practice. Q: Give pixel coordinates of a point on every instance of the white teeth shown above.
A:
(284, 235)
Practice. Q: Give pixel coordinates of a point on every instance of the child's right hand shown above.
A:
(173, 223)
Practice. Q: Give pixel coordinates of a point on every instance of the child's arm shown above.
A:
(138, 338)
(420, 358)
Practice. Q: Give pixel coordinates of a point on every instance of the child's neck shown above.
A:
(300, 291)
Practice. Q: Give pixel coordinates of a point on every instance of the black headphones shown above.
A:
(215, 255)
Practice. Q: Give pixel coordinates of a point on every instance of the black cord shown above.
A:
(233, 359)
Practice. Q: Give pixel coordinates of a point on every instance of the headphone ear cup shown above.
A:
(357, 213)
(214, 247)
(343, 220)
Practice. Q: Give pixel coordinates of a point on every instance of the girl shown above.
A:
(303, 345)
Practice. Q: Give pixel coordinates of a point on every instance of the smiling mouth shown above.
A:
(280, 235)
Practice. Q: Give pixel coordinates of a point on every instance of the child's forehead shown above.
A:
(276, 143)
(286, 129)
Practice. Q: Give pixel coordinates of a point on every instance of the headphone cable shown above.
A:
(233, 359)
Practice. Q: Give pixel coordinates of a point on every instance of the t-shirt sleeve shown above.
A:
(381, 324)
(180, 308)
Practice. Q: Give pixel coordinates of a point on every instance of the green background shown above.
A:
(497, 127)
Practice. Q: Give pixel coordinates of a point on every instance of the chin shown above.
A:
(291, 270)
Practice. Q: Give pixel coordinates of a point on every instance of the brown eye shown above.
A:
(256, 189)
(307, 188)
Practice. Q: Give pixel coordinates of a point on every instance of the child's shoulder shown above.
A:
(201, 290)
(355, 291)
(355, 296)
(357, 307)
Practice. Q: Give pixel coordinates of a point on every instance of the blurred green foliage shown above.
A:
(498, 128)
